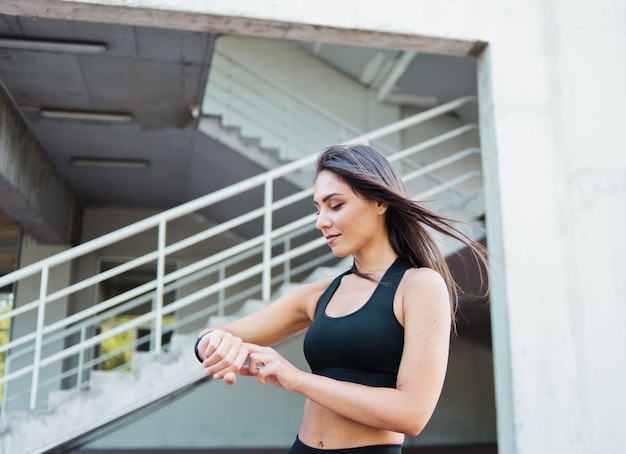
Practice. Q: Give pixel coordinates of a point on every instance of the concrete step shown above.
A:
(252, 147)
(111, 396)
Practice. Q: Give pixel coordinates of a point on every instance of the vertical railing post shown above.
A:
(81, 358)
(41, 314)
(287, 263)
(158, 300)
(267, 238)
(221, 295)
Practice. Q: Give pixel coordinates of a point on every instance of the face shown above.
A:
(350, 223)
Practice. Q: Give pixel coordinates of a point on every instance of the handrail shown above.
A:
(289, 94)
(268, 110)
(292, 94)
(278, 116)
(412, 120)
(273, 247)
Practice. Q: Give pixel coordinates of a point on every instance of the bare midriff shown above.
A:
(324, 429)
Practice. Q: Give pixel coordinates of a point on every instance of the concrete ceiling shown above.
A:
(401, 77)
(157, 76)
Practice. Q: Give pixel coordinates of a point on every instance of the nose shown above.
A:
(322, 221)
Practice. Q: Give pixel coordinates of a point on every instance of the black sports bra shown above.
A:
(364, 346)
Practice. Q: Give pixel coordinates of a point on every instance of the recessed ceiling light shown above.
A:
(109, 163)
(86, 115)
(53, 46)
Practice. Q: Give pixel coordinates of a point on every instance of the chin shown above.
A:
(340, 254)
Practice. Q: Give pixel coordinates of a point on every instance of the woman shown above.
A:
(377, 336)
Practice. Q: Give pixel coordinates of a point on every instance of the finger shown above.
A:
(230, 378)
(254, 348)
(225, 356)
(235, 365)
(259, 365)
(210, 343)
(261, 376)
(216, 348)
(253, 365)
(204, 347)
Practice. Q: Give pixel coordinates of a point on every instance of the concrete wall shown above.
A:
(31, 190)
(317, 82)
(551, 97)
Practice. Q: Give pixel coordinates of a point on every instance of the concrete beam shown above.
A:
(31, 190)
(225, 18)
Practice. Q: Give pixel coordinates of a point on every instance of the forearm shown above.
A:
(254, 331)
(274, 323)
(384, 408)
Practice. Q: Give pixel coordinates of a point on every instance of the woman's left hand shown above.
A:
(268, 366)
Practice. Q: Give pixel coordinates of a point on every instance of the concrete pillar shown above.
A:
(31, 190)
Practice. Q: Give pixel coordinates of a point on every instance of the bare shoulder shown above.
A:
(424, 290)
(424, 279)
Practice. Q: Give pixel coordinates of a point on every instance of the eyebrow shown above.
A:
(328, 196)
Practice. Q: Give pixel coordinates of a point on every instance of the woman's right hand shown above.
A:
(223, 355)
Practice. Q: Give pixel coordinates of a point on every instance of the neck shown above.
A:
(376, 266)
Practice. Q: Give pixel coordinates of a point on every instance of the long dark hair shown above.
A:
(372, 176)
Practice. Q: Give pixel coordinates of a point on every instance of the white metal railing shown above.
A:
(59, 352)
(280, 118)
(287, 122)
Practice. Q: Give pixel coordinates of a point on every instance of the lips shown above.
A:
(330, 238)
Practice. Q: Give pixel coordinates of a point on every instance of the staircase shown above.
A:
(282, 125)
(57, 384)
(272, 125)
(75, 417)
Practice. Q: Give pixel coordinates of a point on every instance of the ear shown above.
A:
(382, 207)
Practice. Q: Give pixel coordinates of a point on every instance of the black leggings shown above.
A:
(300, 448)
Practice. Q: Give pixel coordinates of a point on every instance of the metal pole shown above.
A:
(222, 291)
(81, 359)
(287, 264)
(158, 322)
(41, 313)
(267, 242)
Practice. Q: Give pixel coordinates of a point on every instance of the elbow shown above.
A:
(413, 426)
(414, 430)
